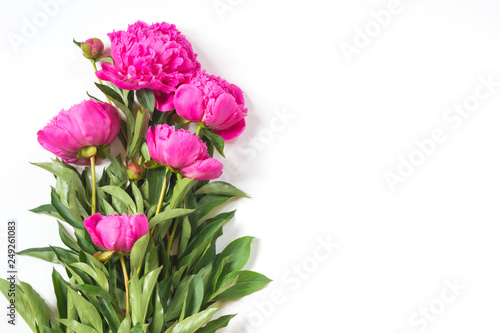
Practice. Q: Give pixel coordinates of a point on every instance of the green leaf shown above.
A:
(118, 168)
(78, 327)
(135, 292)
(21, 304)
(154, 181)
(221, 188)
(146, 97)
(157, 323)
(43, 209)
(151, 261)
(139, 201)
(79, 44)
(195, 296)
(108, 59)
(214, 325)
(239, 250)
(106, 207)
(175, 307)
(86, 311)
(180, 191)
(94, 273)
(121, 195)
(61, 292)
(225, 285)
(62, 170)
(185, 236)
(248, 282)
(216, 141)
(67, 239)
(209, 202)
(205, 235)
(112, 316)
(125, 326)
(36, 305)
(110, 92)
(93, 290)
(45, 253)
(139, 328)
(138, 252)
(63, 210)
(148, 283)
(194, 322)
(169, 214)
(138, 133)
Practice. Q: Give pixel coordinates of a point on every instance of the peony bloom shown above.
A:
(183, 151)
(88, 123)
(213, 101)
(116, 233)
(153, 56)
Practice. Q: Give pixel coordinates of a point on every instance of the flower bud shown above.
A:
(92, 48)
(88, 152)
(135, 171)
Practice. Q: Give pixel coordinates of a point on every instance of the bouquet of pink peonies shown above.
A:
(141, 239)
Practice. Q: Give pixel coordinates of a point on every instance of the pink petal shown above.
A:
(90, 224)
(222, 111)
(233, 131)
(111, 233)
(164, 101)
(183, 148)
(209, 168)
(138, 227)
(188, 102)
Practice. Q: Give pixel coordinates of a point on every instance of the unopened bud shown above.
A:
(92, 48)
(135, 171)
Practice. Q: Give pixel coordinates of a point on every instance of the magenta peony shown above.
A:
(153, 56)
(183, 151)
(88, 123)
(213, 101)
(116, 233)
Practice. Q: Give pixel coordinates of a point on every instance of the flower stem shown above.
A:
(94, 190)
(125, 278)
(172, 236)
(198, 130)
(174, 228)
(162, 195)
(100, 82)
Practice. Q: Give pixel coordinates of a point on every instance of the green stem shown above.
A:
(94, 189)
(198, 130)
(162, 195)
(125, 279)
(174, 229)
(172, 236)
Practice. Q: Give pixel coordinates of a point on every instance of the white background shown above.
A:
(324, 130)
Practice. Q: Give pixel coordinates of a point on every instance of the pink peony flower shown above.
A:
(183, 151)
(116, 233)
(153, 56)
(88, 123)
(214, 102)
